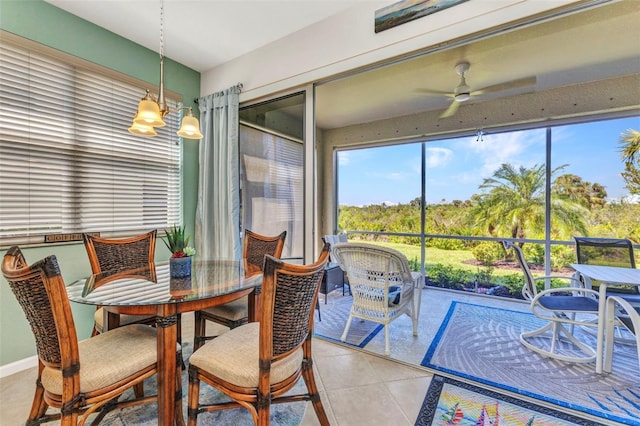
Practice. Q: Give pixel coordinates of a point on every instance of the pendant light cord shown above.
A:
(161, 29)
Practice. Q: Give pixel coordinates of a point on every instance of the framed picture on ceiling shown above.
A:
(407, 10)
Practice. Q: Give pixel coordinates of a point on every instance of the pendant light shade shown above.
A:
(142, 130)
(148, 113)
(152, 110)
(190, 128)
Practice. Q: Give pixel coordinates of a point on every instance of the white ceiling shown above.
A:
(202, 34)
(591, 45)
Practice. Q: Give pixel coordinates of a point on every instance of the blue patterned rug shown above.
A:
(481, 344)
(333, 318)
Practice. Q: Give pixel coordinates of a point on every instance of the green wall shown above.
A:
(46, 24)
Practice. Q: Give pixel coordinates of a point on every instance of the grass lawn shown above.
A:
(434, 256)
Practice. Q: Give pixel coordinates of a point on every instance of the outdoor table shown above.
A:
(607, 275)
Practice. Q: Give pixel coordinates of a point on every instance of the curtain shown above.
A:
(217, 224)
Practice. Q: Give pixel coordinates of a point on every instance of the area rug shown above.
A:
(333, 317)
(289, 414)
(481, 344)
(453, 402)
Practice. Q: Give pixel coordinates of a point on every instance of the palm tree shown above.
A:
(630, 151)
(575, 189)
(514, 205)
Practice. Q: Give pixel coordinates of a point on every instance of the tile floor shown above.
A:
(357, 387)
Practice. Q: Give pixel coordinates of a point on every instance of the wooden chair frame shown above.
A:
(116, 253)
(255, 247)
(289, 293)
(40, 290)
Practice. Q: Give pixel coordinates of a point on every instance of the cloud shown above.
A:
(344, 158)
(510, 147)
(437, 157)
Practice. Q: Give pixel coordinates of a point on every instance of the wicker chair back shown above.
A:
(256, 246)
(116, 253)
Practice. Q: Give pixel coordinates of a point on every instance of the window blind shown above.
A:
(272, 187)
(68, 163)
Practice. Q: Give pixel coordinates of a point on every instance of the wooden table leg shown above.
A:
(253, 305)
(167, 344)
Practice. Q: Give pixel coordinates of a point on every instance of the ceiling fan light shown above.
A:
(461, 97)
(148, 114)
(142, 130)
(190, 128)
(462, 93)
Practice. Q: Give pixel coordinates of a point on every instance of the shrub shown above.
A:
(562, 256)
(446, 277)
(445, 243)
(414, 264)
(534, 253)
(513, 282)
(487, 252)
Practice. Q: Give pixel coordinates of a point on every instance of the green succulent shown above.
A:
(177, 242)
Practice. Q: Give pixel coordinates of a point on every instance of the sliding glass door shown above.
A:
(272, 171)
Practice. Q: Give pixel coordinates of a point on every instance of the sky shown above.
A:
(456, 167)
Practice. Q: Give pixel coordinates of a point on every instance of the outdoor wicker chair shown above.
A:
(257, 363)
(106, 254)
(561, 307)
(382, 285)
(236, 313)
(79, 378)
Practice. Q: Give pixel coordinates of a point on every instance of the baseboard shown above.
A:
(20, 365)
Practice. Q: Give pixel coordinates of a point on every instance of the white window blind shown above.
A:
(68, 163)
(272, 182)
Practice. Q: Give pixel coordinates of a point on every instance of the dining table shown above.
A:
(607, 276)
(150, 290)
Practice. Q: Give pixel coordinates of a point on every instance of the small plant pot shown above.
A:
(180, 267)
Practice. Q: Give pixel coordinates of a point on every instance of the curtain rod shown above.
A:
(238, 86)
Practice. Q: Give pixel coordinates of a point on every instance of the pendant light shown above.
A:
(152, 110)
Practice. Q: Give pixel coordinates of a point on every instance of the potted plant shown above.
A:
(178, 244)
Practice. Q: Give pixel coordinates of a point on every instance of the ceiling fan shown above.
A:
(463, 92)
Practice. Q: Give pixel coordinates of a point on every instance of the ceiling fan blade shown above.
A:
(434, 92)
(451, 110)
(514, 84)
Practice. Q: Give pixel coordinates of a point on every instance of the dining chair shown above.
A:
(257, 363)
(236, 313)
(79, 378)
(560, 308)
(619, 310)
(107, 254)
(382, 284)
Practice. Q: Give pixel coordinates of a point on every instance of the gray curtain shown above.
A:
(217, 225)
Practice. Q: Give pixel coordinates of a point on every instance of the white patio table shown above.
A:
(607, 275)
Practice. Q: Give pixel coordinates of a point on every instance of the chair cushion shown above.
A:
(125, 319)
(234, 357)
(569, 303)
(233, 311)
(108, 358)
(394, 295)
